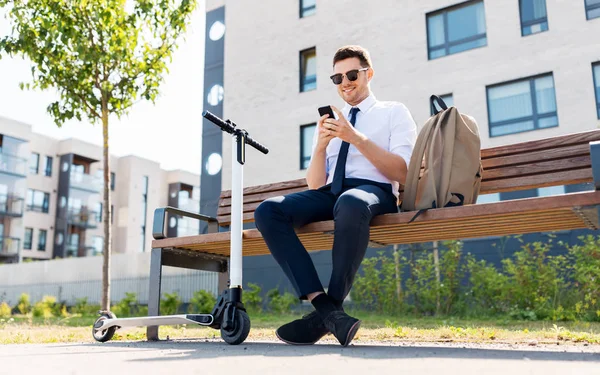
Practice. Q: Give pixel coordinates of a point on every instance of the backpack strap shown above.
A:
(440, 103)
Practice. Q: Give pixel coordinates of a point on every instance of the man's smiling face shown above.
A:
(353, 92)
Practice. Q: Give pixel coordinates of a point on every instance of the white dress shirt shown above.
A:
(388, 124)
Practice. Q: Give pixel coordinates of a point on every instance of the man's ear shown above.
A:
(370, 74)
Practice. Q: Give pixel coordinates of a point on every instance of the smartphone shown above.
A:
(326, 110)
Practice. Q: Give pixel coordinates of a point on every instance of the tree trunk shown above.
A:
(436, 262)
(107, 210)
(397, 269)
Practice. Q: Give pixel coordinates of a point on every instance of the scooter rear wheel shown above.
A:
(240, 331)
(107, 334)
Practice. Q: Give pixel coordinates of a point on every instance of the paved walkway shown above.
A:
(215, 357)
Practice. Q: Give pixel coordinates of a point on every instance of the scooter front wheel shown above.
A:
(240, 331)
(106, 334)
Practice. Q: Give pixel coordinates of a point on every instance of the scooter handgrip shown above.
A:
(257, 145)
(217, 121)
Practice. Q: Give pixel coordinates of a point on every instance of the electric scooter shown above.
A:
(228, 314)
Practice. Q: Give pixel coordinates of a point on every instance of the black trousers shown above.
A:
(351, 211)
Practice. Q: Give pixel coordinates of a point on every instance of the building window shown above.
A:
(307, 8)
(38, 201)
(42, 240)
(112, 181)
(48, 168)
(34, 163)
(522, 105)
(98, 245)
(534, 18)
(456, 29)
(308, 69)
(448, 99)
(28, 238)
(596, 72)
(99, 212)
(592, 9)
(144, 209)
(307, 133)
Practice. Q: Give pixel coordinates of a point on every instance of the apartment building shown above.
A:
(51, 197)
(525, 69)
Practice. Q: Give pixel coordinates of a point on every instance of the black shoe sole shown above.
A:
(351, 333)
(295, 343)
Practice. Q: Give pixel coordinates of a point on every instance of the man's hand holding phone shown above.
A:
(325, 135)
(340, 128)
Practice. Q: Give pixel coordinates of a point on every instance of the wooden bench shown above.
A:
(562, 160)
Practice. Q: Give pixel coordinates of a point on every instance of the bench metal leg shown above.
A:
(154, 291)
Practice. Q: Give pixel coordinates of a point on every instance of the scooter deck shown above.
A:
(201, 319)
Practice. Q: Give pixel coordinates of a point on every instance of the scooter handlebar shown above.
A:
(229, 128)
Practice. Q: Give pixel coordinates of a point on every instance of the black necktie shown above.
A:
(340, 167)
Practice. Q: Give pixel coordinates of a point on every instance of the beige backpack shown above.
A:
(445, 167)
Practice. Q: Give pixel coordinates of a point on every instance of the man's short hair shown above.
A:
(347, 52)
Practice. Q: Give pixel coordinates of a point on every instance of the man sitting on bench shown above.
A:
(358, 161)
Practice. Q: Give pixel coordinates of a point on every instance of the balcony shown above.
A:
(12, 164)
(11, 205)
(83, 218)
(74, 250)
(86, 182)
(9, 246)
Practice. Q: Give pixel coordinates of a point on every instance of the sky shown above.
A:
(168, 132)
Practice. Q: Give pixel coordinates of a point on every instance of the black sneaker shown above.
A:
(305, 331)
(342, 325)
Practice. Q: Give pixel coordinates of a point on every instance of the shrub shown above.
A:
(170, 304)
(252, 299)
(202, 302)
(281, 303)
(5, 310)
(46, 308)
(585, 260)
(487, 292)
(377, 286)
(24, 305)
(125, 307)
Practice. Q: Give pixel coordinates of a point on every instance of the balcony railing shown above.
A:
(11, 205)
(73, 250)
(9, 245)
(83, 218)
(87, 182)
(13, 164)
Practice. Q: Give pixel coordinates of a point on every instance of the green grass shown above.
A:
(375, 327)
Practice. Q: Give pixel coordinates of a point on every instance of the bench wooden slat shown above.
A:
(540, 167)
(535, 156)
(252, 198)
(268, 187)
(537, 181)
(542, 144)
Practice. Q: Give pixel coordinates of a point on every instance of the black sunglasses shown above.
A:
(352, 75)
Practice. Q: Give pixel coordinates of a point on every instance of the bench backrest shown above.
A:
(561, 160)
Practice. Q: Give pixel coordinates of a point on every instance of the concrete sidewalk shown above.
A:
(215, 357)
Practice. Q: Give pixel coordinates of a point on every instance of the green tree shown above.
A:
(101, 56)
